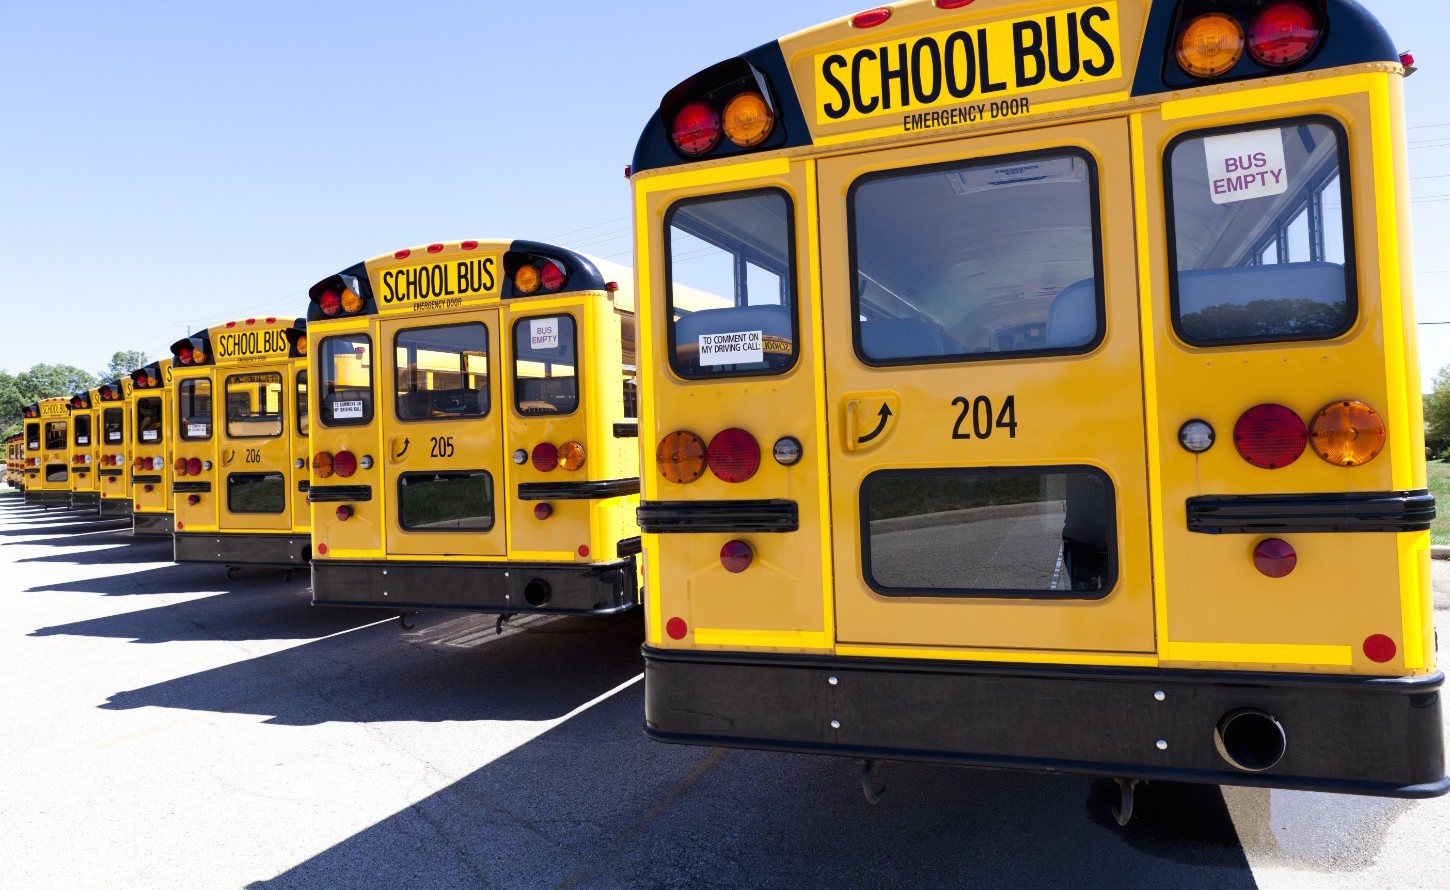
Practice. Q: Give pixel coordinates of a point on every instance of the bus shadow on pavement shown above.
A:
(66, 528)
(113, 547)
(593, 803)
(378, 674)
(175, 578)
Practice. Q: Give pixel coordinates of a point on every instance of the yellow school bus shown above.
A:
(474, 446)
(152, 395)
(113, 422)
(47, 449)
(85, 451)
(1036, 387)
(239, 467)
(15, 461)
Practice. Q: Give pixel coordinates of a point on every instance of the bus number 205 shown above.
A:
(979, 420)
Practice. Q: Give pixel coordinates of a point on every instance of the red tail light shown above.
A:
(193, 467)
(736, 556)
(553, 277)
(344, 513)
(179, 467)
(697, 129)
(1270, 436)
(330, 303)
(733, 455)
(543, 511)
(344, 464)
(1283, 34)
(545, 457)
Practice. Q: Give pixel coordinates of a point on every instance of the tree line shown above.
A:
(46, 381)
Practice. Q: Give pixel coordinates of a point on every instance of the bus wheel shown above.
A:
(1123, 812)
(871, 786)
(403, 620)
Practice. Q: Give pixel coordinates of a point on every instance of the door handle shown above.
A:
(871, 418)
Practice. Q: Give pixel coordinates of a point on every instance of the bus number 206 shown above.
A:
(978, 413)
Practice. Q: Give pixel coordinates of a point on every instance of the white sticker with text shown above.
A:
(150, 435)
(1242, 166)
(739, 348)
(544, 333)
(83, 440)
(196, 429)
(347, 410)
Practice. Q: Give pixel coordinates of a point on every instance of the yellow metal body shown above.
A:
(152, 408)
(85, 450)
(117, 410)
(15, 461)
(48, 473)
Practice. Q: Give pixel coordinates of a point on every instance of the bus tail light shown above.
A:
(344, 464)
(681, 457)
(1211, 45)
(193, 467)
(322, 465)
(545, 457)
(571, 456)
(543, 511)
(696, 129)
(736, 556)
(1347, 433)
(1275, 558)
(184, 355)
(526, 279)
(351, 301)
(733, 455)
(344, 513)
(179, 468)
(193, 499)
(552, 277)
(1283, 34)
(1270, 436)
(330, 303)
(748, 119)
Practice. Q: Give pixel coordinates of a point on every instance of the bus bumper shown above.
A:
(243, 549)
(85, 500)
(511, 587)
(119, 507)
(1346, 734)
(151, 525)
(45, 498)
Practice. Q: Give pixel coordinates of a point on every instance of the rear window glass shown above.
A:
(346, 396)
(976, 260)
(990, 532)
(442, 372)
(546, 373)
(731, 265)
(55, 433)
(32, 436)
(256, 493)
(148, 421)
(82, 428)
(113, 425)
(254, 405)
(446, 502)
(1261, 233)
(193, 398)
(56, 473)
(303, 423)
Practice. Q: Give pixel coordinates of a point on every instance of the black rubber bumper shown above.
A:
(152, 525)
(1346, 734)
(116, 507)
(243, 549)
(515, 588)
(85, 500)
(43, 498)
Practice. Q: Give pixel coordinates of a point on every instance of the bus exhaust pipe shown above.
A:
(1250, 740)
(537, 593)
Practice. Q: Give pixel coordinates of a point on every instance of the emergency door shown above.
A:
(443, 437)
(255, 446)
(984, 388)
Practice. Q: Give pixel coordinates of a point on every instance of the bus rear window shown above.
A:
(254, 406)
(303, 426)
(32, 436)
(55, 433)
(82, 429)
(976, 260)
(256, 493)
(148, 421)
(442, 372)
(1261, 233)
(194, 409)
(113, 425)
(346, 398)
(446, 502)
(731, 300)
(1016, 532)
(546, 378)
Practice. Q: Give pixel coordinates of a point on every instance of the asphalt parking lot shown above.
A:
(167, 727)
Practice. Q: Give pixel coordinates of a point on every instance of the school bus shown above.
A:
(47, 449)
(474, 448)
(240, 463)
(152, 393)
(85, 451)
(15, 461)
(1054, 404)
(114, 476)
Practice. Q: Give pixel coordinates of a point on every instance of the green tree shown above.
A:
(40, 382)
(123, 363)
(1437, 413)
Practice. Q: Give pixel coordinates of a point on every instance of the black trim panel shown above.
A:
(1378, 511)
(630, 547)
(112, 472)
(48, 497)
(149, 525)
(332, 494)
(145, 480)
(1364, 735)
(190, 487)
(235, 549)
(120, 507)
(304, 485)
(496, 587)
(578, 491)
(626, 429)
(676, 517)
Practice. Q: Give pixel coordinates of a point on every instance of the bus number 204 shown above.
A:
(978, 414)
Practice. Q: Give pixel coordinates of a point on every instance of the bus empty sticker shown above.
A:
(347, 410)
(544, 333)
(1242, 166)
(738, 348)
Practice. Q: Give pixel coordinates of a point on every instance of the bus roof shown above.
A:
(991, 64)
(241, 342)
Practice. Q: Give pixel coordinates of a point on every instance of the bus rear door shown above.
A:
(984, 384)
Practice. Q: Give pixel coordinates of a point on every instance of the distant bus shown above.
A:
(85, 451)
(239, 445)
(15, 461)
(152, 397)
(114, 475)
(1036, 387)
(47, 450)
(474, 447)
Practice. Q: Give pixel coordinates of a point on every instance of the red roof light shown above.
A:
(872, 17)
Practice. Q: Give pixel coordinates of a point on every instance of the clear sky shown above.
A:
(183, 164)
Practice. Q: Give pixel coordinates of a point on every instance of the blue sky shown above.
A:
(179, 165)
